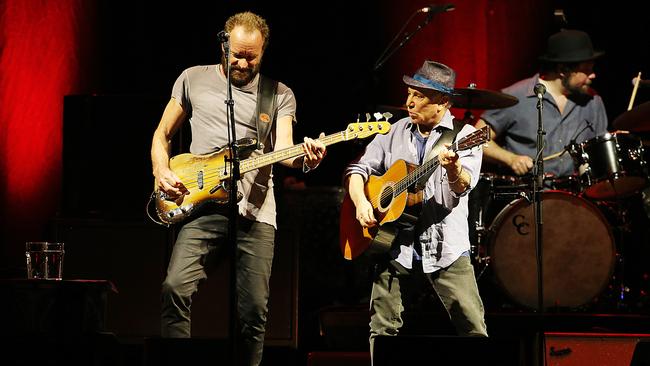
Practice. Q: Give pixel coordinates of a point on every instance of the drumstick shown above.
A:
(553, 156)
(636, 86)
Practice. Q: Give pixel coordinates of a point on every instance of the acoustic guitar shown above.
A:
(388, 194)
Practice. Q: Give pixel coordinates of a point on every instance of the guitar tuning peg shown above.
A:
(387, 115)
(367, 117)
(358, 117)
(377, 116)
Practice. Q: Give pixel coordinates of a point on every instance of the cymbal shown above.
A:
(636, 119)
(472, 98)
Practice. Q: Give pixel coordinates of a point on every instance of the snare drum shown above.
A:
(578, 251)
(611, 165)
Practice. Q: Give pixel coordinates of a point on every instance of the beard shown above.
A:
(577, 90)
(239, 76)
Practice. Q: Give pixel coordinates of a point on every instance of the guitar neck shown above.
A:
(424, 169)
(288, 153)
(473, 139)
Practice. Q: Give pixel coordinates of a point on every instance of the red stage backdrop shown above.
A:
(477, 39)
(41, 50)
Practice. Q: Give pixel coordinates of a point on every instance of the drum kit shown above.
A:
(581, 253)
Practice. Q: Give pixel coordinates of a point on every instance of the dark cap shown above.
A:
(569, 46)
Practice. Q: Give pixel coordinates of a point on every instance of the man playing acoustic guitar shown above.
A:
(436, 245)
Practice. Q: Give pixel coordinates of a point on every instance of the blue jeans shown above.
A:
(456, 287)
(197, 247)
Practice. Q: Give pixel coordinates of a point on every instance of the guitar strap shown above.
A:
(447, 137)
(265, 113)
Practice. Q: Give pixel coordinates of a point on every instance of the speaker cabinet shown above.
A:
(106, 144)
(411, 350)
(577, 349)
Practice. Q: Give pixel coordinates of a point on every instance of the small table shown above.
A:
(54, 306)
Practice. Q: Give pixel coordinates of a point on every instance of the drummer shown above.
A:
(572, 111)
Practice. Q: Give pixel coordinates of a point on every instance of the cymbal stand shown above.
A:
(623, 229)
(469, 116)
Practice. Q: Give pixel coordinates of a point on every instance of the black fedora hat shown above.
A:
(434, 76)
(569, 46)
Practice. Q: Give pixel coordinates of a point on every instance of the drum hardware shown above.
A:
(623, 227)
(491, 194)
(511, 196)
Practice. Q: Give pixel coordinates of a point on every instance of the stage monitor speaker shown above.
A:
(41, 349)
(641, 356)
(412, 350)
(322, 358)
(577, 349)
(185, 351)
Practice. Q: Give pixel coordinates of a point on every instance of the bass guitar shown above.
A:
(388, 194)
(207, 177)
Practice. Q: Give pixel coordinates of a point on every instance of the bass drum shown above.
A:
(578, 251)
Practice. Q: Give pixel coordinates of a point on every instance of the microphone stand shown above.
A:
(233, 211)
(537, 204)
(385, 55)
(388, 51)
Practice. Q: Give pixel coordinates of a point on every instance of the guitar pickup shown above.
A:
(199, 179)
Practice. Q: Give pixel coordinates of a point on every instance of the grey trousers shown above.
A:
(195, 252)
(456, 287)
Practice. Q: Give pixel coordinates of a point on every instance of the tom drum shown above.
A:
(611, 165)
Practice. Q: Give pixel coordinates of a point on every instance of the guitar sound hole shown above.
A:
(386, 197)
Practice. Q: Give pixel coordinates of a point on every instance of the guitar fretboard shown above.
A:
(412, 177)
(290, 152)
(474, 139)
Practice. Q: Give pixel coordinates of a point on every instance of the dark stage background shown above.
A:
(71, 163)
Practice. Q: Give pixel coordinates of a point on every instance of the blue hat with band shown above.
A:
(435, 76)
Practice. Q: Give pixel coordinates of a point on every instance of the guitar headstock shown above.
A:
(475, 138)
(360, 130)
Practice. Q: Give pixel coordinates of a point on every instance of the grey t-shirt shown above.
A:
(201, 90)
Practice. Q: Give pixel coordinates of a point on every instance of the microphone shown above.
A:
(539, 90)
(437, 8)
(223, 36)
